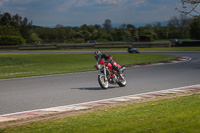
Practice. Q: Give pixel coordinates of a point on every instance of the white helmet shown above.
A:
(97, 54)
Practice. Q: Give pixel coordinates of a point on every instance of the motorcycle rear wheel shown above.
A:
(122, 83)
(102, 82)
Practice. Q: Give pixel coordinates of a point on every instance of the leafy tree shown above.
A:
(130, 26)
(25, 28)
(195, 28)
(8, 30)
(107, 25)
(161, 31)
(179, 26)
(34, 39)
(5, 19)
(97, 27)
(133, 30)
(103, 36)
(10, 35)
(127, 36)
(190, 7)
(123, 26)
(117, 34)
(16, 21)
(68, 34)
(147, 31)
(59, 26)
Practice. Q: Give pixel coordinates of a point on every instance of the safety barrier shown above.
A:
(37, 47)
(193, 43)
(85, 45)
(12, 47)
(74, 46)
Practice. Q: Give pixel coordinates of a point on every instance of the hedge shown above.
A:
(12, 40)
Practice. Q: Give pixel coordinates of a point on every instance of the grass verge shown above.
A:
(177, 114)
(24, 65)
(171, 49)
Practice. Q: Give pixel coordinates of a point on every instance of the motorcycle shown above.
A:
(106, 75)
(132, 50)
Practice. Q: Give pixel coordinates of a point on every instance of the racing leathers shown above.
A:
(108, 59)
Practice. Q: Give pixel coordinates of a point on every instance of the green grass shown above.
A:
(23, 65)
(171, 49)
(176, 115)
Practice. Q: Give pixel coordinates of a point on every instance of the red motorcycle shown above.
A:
(106, 75)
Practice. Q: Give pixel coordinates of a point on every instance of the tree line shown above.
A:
(17, 30)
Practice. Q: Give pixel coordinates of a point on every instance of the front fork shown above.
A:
(104, 71)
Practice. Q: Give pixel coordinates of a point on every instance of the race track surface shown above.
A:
(22, 94)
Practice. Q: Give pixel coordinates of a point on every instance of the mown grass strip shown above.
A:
(24, 65)
(179, 114)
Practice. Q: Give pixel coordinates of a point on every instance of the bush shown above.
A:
(102, 40)
(12, 40)
(8, 30)
(79, 40)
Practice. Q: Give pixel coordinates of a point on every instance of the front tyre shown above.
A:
(122, 82)
(102, 82)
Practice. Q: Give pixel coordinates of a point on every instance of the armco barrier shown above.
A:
(112, 45)
(194, 43)
(133, 44)
(150, 44)
(9, 47)
(37, 47)
(74, 46)
(91, 45)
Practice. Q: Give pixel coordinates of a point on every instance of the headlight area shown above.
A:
(99, 66)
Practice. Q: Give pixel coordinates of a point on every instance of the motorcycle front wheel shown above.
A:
(102, 82)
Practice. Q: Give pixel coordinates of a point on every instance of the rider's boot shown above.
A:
(119, 70)
(122, 69)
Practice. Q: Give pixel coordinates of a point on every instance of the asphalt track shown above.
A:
(22, 94)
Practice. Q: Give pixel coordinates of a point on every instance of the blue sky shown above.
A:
(78, 12)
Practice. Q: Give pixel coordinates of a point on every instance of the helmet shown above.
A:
(97, 54)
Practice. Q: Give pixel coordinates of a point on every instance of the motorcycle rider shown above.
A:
(132, 50)
(108, 59)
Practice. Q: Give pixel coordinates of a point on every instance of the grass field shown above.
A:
(23, 65)
(175, 115)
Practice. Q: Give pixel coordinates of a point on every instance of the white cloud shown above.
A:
(138, 2)
(82, 3)
(22, 1)
(65, 6)
(2, 2)
(86, 3)
(110, 1)
(21, 8)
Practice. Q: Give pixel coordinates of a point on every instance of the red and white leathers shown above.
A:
(108, 61)
(109, 65)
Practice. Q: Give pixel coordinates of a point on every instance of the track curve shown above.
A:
(31, 93)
